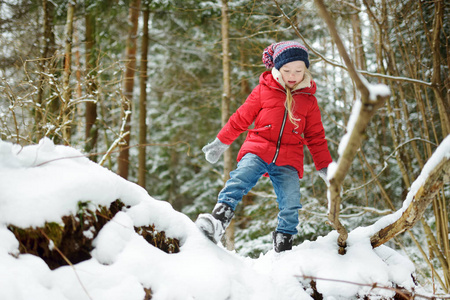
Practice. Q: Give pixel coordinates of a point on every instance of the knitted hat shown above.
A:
(279, 54)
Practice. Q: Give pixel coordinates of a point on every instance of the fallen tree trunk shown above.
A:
(424, 194)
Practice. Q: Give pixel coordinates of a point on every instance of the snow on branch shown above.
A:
(372, 98)
(120, 138)
(434, 175)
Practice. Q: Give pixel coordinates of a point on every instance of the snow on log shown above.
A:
(434, 175)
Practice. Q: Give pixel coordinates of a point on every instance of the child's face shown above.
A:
(293, 73)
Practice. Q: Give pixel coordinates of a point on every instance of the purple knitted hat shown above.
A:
(279, 54)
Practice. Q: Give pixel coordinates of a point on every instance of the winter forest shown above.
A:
(138, 87)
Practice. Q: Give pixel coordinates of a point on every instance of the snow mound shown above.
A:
(41, 183)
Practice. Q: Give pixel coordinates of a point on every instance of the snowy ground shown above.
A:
(42, 183)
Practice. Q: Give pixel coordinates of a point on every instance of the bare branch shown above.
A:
(370, 102)
(120, 139)
(342, 51)
(339, 65)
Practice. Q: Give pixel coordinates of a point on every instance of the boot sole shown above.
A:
(207, 226)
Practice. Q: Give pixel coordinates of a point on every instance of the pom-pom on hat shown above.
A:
(279, 54)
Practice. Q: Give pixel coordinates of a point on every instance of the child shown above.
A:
(283, 107)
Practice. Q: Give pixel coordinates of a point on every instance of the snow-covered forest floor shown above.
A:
(39, 184)
(76, 73)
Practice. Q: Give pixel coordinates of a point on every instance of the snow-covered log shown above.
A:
(434, 175)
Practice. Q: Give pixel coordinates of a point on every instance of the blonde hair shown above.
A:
(289, 104)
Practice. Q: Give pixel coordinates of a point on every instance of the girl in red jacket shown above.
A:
(283, 108)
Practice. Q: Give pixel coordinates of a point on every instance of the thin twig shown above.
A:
(112, 147)
(68, 262)
(109, 152)
(376, 286)
(339, 65)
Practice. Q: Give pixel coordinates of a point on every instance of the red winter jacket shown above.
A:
(274, 138)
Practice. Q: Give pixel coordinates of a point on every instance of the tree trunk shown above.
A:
(226, 96)
(47, 51)
(66, 96)
(360, 56)
(91, 131)
(438, 85)
(128, 87)
(143, 101)
(245, 90)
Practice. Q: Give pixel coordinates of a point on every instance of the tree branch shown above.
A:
(370, 101)
(341, 48)
(420, 201)
(337, 64)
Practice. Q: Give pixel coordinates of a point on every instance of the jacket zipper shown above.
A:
(277, 151)
(280, 136)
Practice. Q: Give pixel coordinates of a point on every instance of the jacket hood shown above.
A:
(274, 80)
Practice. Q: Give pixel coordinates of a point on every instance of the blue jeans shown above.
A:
(285, 182)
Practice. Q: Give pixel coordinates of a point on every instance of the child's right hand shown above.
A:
(323, 173)
(214, 150)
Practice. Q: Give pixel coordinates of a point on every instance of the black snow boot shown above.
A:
(282, 241)
(213, 225)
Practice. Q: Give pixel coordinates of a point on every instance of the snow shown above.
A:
(441, 153)
(375, 90)
(41, 183)
(350, 125)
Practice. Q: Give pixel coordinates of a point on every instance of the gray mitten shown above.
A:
(323, 174)
(214, 150)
